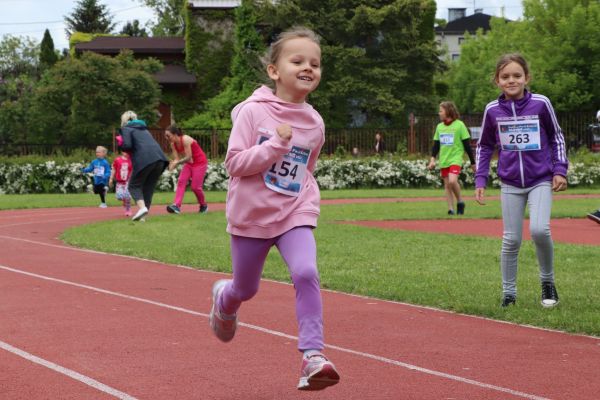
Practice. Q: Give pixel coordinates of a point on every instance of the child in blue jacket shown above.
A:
(101, 170)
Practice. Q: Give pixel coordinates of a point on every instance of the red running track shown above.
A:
(565, 230)
(79, 324)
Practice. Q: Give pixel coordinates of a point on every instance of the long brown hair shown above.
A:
(451, 110)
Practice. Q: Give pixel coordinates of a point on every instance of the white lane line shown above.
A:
(285, 335)
(66, 371)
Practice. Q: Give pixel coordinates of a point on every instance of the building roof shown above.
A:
(466, 24)
(175, 75)
(207, 4)
(114, 44)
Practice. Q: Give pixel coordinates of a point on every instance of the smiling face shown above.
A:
(511, 79)
(297, 71)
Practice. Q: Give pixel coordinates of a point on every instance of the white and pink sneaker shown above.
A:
(317, 373)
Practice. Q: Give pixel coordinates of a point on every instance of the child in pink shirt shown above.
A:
(121, 172)
(273, 197)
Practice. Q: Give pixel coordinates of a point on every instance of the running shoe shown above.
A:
(103, 205)
(140, 214)
(204, 209)
(173, 209)
(595, 216)
(317, 373)
(508, 300)
(549, 295)
(222, 325)
(460, 208)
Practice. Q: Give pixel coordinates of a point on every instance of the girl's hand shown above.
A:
(479, 194)
(473, 168)
(172, 165)
(431, 164)
(559, 183)
(284, 131)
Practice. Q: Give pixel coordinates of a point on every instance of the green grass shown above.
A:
(19, 201)
(452, 272)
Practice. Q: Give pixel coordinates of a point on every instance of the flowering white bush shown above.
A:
(50, 177)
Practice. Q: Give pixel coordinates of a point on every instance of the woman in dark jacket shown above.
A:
(149, 161)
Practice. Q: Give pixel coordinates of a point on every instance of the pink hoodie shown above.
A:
(271, 185)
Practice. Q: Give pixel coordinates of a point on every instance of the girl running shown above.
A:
(121, 172)
(194, 167)
(273, 198)
(532, 162)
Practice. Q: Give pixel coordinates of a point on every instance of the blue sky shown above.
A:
(32, 17)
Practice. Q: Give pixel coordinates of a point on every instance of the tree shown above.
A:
(80, 99)
(89, 17)
(379, 57)
(133, 29)
(18, 56)
(246, 72)
(559, 39)
(170, 16)
(48, 56)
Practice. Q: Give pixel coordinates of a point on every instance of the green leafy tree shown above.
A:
(559, 39)
(208, 51)
(80, 99)
(15, 102)
(18, 56)
(246, 72)
(170, 18)
(48, 56)
(90, 17)
(379, 57)
(133, 29)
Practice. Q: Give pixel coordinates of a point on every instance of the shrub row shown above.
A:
(53, 177)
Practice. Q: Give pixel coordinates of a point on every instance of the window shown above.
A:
(460, 40)
(455, 56)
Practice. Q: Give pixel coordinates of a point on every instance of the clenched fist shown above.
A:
(284, 131)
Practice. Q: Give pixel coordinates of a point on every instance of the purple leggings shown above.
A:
(299, 251)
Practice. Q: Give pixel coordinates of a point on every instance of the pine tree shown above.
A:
(48, 56)
(133, 29)
(89, 17)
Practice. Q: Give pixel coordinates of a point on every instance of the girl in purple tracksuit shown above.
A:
(532, 162)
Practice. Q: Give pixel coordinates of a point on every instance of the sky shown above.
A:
(32, 17)
(512, 9)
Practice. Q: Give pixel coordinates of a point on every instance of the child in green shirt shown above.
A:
(451, 140)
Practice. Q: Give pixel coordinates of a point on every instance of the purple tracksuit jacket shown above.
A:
(531, 145)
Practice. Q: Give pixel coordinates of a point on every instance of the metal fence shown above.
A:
(357, 141)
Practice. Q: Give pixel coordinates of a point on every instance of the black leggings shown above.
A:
(101, 190)
(143, 182)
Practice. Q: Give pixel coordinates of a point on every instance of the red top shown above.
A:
(122, 167)
(198, 156)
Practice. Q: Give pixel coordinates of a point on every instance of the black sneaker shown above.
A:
(173, 209)
(460, 208)
(508, 300)
(204, 209)
(595, 216)
(549, 294)
(450, 212)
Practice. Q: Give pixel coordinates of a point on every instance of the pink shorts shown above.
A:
(453, 169)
